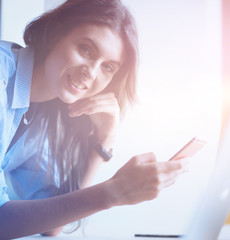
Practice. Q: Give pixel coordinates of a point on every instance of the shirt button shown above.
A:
(2, 84)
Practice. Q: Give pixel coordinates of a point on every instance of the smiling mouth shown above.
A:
(77, 84)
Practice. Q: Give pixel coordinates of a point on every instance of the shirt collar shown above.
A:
(23, 78)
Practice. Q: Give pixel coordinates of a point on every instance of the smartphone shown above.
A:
(192, 147)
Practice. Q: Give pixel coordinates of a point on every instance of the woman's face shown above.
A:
(83, 63)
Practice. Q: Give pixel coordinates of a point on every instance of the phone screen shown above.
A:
(192, 147)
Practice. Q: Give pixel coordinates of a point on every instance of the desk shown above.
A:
(224, 235)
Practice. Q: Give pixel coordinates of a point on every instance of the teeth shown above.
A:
(78, 85)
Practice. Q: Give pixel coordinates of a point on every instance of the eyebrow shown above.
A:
(97, 50)
(92, 43)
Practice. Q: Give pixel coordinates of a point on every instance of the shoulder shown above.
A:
(9, 50)
(8, 58)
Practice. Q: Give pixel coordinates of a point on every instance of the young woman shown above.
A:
(61, 100)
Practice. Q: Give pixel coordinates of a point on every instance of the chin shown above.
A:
(69, 99)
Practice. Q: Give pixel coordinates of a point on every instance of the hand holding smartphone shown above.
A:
(190, 149)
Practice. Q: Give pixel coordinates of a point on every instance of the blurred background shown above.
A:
(179, 91)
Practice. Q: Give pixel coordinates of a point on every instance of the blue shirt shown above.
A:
(20, 176)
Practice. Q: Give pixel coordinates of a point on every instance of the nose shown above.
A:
(90, 71)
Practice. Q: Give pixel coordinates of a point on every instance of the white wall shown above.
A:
(15, 15)
(179, 92)
(50, 4)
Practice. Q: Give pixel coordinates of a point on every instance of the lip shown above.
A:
(75, 89)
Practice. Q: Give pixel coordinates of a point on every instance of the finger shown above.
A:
(94, 105)
(171, 166)
(163, 168)
(167, 184)
(157, 174)
(145, 158)
(90, 110)
(107, 106)
(91, 106)
(96, 97)
(87, 102)
(167, 180)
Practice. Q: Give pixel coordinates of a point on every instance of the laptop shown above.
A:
(214, 204)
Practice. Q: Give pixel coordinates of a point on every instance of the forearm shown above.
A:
(22, 218)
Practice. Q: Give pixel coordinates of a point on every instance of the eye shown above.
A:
(85, 51)
(107, 67)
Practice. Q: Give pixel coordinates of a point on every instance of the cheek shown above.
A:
(63, 57)
(53, 64)
(56, 66)
(102, 85)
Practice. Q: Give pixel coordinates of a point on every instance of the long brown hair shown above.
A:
(67, 137)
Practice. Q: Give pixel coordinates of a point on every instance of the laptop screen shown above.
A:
(214, 204)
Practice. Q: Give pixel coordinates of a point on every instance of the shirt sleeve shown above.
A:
(29, 178)
(29, 181)
(3, 195)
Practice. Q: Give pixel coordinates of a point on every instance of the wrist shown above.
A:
(103, 150)
(113, 196)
